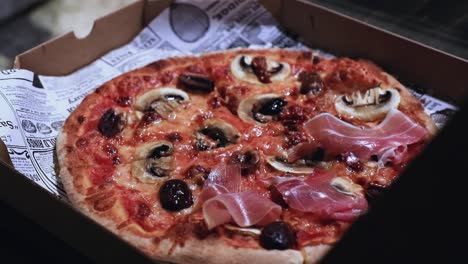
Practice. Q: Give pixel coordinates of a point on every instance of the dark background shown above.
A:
(425, 226)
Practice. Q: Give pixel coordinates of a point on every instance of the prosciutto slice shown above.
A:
(222, 202)
(245, 208)
(224, 178)
(315, 194)
(390, 137)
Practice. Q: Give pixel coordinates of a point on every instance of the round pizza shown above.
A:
(261, 156)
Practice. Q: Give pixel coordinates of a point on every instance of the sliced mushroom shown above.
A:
(216, 133)
(243, 230)
(283, 166)
(259, 69)
(154, 162)
(346, 186)
(163, 101)
(261, 108)
(369, 106)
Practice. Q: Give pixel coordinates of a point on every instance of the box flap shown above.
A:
(67, 53)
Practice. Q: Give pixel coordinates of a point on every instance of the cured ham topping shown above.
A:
(323, 194)
(222, 203)
(245, 208)
(388, 139)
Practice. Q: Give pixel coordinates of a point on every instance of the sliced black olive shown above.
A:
(278, 235)
(160, 151)
(272, 106)
(111, 123)
(311, 83)
(175, 195)
(196, 82)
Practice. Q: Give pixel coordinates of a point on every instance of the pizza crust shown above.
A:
(209, 250)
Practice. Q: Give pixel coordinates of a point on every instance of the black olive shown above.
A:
(272, 106)
(175, 195)
(278, 235)
(160, 151)
(111, 123)
(311, 83)
(196, 82)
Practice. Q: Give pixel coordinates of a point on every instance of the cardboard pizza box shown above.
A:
(443, 74)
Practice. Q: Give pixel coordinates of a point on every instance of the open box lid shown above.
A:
(443, 74)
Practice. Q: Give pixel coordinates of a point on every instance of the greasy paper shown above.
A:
(33, 108)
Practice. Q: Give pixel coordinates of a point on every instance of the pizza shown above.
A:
(262, 156)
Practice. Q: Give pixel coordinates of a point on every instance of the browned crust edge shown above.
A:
(210, 250)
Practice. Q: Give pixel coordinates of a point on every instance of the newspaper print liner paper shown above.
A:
(33, 108)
